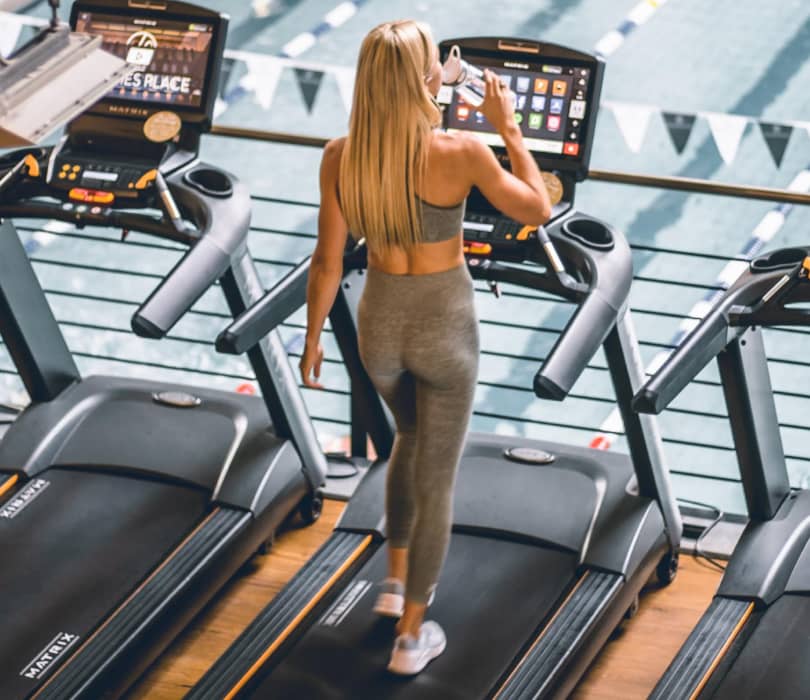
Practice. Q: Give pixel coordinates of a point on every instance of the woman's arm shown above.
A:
(521, 194)
(326, 269)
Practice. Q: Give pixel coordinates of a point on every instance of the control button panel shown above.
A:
(121, 179)
(79, 194)
(497, 236)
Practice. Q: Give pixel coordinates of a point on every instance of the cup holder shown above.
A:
(212, 182)
(784, 258)
(589, 232)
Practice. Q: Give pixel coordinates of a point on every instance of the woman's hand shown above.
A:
(499, 103)
(311, 360)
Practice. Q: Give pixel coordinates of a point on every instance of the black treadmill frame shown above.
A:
(771, 561)
(592, 611)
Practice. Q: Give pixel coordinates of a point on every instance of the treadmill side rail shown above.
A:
(538, 671)
(310, 587)
(7, 482)
(705, 648)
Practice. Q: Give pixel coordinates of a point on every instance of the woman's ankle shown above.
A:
(412, 617)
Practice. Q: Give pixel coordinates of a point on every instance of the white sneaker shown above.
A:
(391, 598)
(411, 655)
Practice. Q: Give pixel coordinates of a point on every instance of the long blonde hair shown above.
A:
(385, 155)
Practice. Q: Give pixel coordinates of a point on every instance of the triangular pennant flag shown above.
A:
(633, 121)
(10, 30)
(776, 137)
(679, 127)
(727, 130)
(310, 82)
(263, 73)
(345, 81)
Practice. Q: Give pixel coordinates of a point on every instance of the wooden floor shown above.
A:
(627, 668)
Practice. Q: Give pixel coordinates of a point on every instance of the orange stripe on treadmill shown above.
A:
(118, 610)
(8, 484)
(288, 630)
(542, 632)
(717, 659)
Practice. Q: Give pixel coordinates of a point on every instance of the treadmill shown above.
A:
(125, 504)
(752, 641)
(551, 543)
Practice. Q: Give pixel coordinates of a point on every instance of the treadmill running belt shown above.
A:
(775, 661)
(71, 554)
(492, 597)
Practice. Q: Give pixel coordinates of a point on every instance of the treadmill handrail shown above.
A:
(218, 205)
(276, 306)
(602, 296)
(280, 302)
(608, 274)
(726, 321)
(126, 220)
(223, 229)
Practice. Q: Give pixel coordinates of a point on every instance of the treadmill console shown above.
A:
(131, 160)
(152, 120)
(556, 93)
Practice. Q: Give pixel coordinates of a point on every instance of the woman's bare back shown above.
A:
(444, 186)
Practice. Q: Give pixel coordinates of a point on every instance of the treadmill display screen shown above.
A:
(171, 56)
(552, 105)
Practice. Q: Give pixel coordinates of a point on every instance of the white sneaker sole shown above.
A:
(389, 605)
(409, 663)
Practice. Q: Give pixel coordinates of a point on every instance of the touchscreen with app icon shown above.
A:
(551, 105)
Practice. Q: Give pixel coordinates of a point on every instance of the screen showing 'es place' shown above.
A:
(551, 107)
(171, 56)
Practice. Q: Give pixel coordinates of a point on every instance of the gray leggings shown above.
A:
(419, 343)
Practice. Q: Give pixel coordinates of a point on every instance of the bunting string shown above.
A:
(264, 71)
(727, 130)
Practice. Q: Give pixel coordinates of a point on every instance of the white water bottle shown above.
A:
(464, 77)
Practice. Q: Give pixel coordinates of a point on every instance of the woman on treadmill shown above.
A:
(401, 184)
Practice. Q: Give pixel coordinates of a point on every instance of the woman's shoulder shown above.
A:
(333, 149)
(330, 160)
(461, 146)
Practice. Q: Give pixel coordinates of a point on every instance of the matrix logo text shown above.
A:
(43, 661)
(23, 499)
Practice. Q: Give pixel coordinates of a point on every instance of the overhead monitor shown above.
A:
(175, 48)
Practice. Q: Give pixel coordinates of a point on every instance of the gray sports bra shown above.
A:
(441, 223)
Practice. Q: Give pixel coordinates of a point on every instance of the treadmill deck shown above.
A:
(775, 660)
(66, 568)
(487, 626)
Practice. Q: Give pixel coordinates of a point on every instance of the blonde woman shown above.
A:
(402, 185)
